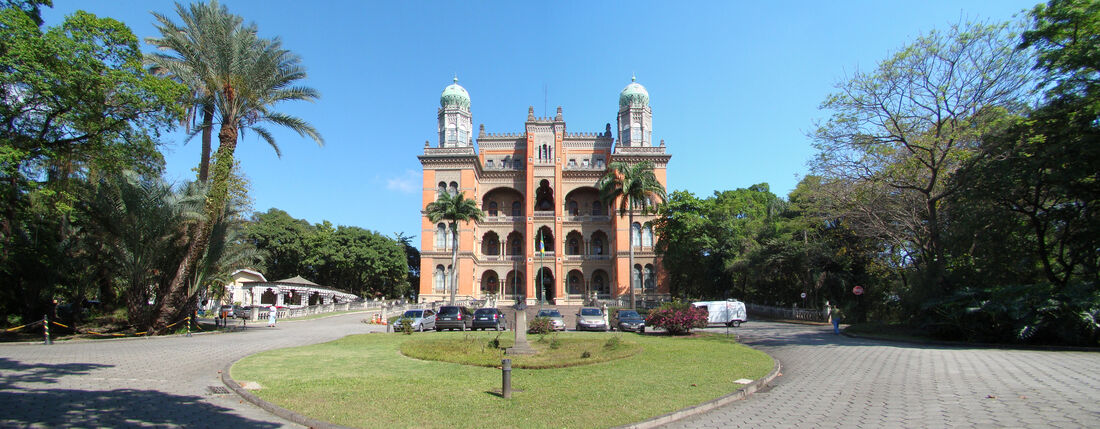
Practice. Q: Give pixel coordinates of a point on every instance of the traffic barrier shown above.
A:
(23, 326)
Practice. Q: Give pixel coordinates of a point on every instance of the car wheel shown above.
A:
(421, 327)
(737, 324)
(437, 329)
(641, 330)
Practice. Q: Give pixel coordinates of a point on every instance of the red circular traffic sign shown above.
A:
(858, 290)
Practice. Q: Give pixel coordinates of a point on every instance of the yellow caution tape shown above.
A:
(58, 324)
(24, 326)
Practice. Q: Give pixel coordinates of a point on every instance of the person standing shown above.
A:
(835, 315)
(272, 314)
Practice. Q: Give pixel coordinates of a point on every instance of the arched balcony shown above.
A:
(490, 246)
(502, 205)
(547, 237)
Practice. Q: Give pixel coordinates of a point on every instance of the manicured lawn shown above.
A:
(555, 350)
(365, 381)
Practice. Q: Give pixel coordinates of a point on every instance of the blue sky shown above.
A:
(734, 85)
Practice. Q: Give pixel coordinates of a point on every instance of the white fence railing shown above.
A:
(767, 311)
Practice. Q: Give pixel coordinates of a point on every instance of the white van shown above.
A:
(729, 313)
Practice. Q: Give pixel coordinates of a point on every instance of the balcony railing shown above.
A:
(588, 218)
(544, 213)
(503, 218)
(597, 257)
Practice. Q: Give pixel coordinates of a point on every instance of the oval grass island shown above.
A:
(366, 380)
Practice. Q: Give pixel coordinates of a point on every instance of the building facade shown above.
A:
(546, 235)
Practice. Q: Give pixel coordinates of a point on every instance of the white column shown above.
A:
(279, 297)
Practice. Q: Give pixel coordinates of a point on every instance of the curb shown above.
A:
(272, 408)
(738, 395)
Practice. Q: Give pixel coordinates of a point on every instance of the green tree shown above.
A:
(412, 258)
(77, 105)
(453, 208)
(283, 241)
(632, 186)
(185, 54)
(251, 76)
(901, 138)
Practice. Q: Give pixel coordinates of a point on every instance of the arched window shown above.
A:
(647, 236)
(597, 210)
(454, 188)
(439, 285)
(574, 284)
(515, 248)
(517, 210)
(442, 187)
(636, 234)
(574, 209)
(650, 278)
(597, 246)
(492, 208)
(574, 247)
(637, 277)
(440, 236)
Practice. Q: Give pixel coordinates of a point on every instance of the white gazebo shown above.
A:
(293, 292)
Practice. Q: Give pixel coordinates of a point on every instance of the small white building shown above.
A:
(250, 287)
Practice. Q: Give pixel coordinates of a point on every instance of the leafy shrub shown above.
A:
(678, 318)
(555, 343)
(587, 354)
(613, 343)
(540, 325)
(495, 342)
(1035, 314)
(406, 325)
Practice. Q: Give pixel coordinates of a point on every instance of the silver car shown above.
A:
(557, 322)
(421, 320)
(591, 319)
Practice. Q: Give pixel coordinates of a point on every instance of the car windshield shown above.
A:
(413, 314)
(484, 311)
(590, 312)
(629, 313)
(446, 311)
(548, 313)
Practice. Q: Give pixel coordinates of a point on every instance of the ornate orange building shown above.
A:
(537, 187)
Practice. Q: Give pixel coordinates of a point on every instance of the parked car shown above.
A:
(729, 313)
(241, 311)
(454, 317)
(591, 319)
(557, 322)
(486, 318)
(421, 320)
(628, 320)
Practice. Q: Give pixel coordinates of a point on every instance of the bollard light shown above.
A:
(506, 378)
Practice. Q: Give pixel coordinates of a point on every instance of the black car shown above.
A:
(629, 320)
(454, 317)
(490, 318)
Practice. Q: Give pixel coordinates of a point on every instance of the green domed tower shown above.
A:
(635, 117)
(455, 121)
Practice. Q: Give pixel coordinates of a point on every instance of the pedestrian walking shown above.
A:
(272, 314)
(835, 315)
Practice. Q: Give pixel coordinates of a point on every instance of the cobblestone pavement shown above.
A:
(834, 381)
(149, 382)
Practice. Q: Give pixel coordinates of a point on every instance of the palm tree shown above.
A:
(186, 53)
(453, 208)
(245, 77)
(631, 185)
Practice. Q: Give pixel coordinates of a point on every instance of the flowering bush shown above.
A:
(677, 318)
(540, 325)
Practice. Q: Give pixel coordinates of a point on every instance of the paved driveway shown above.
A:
(832, 381)
(161, 382)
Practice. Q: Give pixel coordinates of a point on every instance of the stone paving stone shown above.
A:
(159, 382)
(836, 381)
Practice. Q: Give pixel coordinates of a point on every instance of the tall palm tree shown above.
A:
(246, 76)
(186, 51)
(632, 185)
(453, 208)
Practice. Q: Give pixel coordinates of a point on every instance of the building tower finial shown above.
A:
(456, 77)
(633, 78)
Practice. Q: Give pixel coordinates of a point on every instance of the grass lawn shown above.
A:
(365, 381)
(555, 350)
